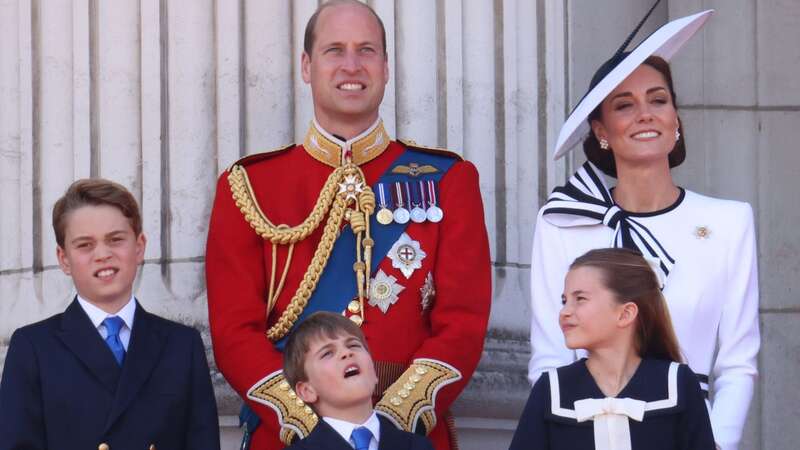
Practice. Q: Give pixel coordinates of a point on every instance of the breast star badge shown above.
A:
(406, 255)
(351, 187)
(383, 291)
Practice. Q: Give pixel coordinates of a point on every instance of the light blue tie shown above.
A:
(113, 325)
(361, 437)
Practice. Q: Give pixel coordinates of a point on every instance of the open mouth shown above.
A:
(649, 134)
(351, 371)
(351, 86)
(106, 273)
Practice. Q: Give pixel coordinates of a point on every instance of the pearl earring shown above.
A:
(604, 144)
(677, 135)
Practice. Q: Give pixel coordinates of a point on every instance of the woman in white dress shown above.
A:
(705, 247)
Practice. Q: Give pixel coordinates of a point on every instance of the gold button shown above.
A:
(103, 446)
(354, 307)
(409, 386)
(357, 320)
(421, 370)
(308, 410)
(414, 378)
(299, 402)
(395, 401)
(284, 386)
(403, 393)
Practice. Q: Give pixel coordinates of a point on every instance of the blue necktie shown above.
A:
(361, 437)
(113, 325)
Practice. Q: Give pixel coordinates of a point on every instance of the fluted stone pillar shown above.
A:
(161, 95)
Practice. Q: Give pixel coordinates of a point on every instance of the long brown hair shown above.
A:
(628, 275)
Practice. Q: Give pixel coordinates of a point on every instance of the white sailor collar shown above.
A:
(655, 383)
(329, 149)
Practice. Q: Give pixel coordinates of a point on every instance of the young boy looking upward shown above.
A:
(328, 364)
(105, 373)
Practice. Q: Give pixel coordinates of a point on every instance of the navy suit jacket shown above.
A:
(62, 387)
(324, 437)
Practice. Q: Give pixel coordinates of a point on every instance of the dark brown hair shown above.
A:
(311, 26)
(94, 192)
(318, 324)
(628, 275)
(604, 159)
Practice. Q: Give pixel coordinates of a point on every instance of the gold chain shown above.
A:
(328, 202)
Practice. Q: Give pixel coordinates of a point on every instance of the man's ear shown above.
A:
(305, 67)
(628, 314)
(306, 392)
(63, 261)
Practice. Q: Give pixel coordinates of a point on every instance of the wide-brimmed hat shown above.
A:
(664, 43)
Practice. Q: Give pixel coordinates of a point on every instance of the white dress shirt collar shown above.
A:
(345, 429)
(97, 315)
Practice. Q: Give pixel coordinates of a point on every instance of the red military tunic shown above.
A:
(444, 335)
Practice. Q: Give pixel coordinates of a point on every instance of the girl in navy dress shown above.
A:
(630, 393)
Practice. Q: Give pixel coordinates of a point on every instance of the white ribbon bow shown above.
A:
(610, 415)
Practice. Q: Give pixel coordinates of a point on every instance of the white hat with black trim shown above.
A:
(664, 42)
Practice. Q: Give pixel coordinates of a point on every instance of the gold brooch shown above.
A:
(702, 232)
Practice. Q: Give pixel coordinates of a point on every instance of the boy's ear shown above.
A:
(628, 314)
(63, 262)
(306, 392)
(141, 245)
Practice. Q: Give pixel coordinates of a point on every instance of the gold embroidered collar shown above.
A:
(329, 149)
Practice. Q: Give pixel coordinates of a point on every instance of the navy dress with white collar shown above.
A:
(661, 408)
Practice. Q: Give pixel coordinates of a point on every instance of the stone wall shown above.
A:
(161, 95)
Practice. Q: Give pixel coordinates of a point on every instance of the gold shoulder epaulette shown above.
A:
(295, 417)
(411, 400)
(435, 150)
(255, 157)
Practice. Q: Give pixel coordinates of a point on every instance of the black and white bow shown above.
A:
(585, 200)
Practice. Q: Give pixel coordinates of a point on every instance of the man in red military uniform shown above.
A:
(390, 234)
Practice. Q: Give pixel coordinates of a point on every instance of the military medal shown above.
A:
(401, 215)
(406, 255)
(384, 215)
(384, 290)
(434, 213)
(418, 214)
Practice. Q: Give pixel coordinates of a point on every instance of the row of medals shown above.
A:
(426, 194)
